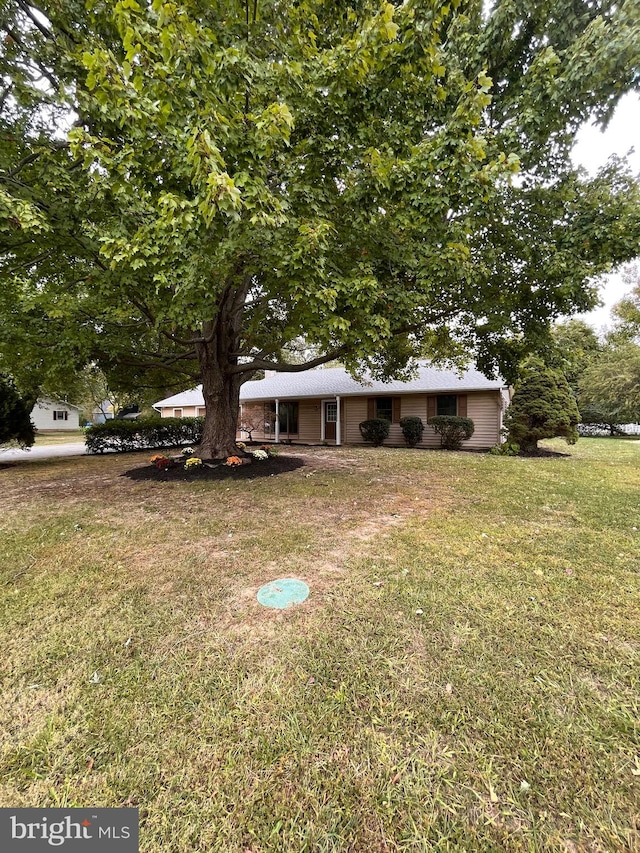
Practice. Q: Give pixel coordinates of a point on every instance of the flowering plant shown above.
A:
(192, 462)
(233, 460)
(188, 451)
(241, 445)
(260, 454)
(161, 462)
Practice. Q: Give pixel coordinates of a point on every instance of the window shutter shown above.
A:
(55, 414)
(431, 407)
(371, 408)
(462, 405)
(396, 403)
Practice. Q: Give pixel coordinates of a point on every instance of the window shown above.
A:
(60, 415)
(387, 408)
(331, 412)
(177, 413)
(200, 411)
(384, 408)
(447, 404)
(288, 416)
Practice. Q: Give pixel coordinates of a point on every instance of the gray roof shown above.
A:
(56, 401)
(334, 381)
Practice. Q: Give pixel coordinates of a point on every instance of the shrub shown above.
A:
(375, 430)
(412, 429)
(121, 435)
(543, 406)
(509, 448)
(452, 430)
(15, 420)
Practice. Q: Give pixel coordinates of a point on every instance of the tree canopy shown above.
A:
(611, 385)
(187, 187)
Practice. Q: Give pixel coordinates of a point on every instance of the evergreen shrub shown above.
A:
(452, 430)
(412, 429)
(543, 406)
(375, 430)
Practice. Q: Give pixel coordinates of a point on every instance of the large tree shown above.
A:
(626, 313)
(575, 345)
(187, 187)
(611, 385)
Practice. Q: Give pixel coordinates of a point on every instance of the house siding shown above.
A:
(485, 409)
(42, 415)
(310, 421)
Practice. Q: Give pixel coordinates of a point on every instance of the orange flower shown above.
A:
(233, 460)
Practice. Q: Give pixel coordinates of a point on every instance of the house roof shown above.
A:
(334, 381)
(57, 401)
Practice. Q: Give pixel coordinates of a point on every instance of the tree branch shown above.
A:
(281, 367)
(26, 8)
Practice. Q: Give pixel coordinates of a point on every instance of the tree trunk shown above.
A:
(221, 392)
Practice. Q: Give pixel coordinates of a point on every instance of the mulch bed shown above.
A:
(251, 471)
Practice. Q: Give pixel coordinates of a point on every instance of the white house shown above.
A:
(52, 414)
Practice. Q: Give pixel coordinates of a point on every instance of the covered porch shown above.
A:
(308, 421)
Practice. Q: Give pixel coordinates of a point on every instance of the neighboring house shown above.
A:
(327, 405)
(106, 411)
(50, 413)
(103, 412)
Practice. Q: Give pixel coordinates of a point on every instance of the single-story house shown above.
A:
(49, 413)
(327, 405)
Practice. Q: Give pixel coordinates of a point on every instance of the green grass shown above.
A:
(59, 437)
(464, 675)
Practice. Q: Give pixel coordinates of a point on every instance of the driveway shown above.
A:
(47, 451)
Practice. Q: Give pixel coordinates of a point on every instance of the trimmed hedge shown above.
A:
(412, 429)
(452, 430)
(375, 430)
(143, 434)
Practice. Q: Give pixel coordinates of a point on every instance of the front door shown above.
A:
(330, 418)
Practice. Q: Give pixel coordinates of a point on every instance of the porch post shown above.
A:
(323, 434)
(277, 439)
(338, 435)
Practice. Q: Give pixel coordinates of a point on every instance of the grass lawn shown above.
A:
(66, 436)
(463, 677)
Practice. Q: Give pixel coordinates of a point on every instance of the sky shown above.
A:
(592, 149)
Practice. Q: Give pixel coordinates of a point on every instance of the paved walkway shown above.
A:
(46, 451)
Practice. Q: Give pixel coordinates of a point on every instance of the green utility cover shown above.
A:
(283, 593)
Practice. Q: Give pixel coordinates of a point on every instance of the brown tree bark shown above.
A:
(220, 382)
